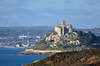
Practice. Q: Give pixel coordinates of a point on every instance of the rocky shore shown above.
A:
(31, 51)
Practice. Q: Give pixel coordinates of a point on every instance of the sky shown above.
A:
(79, 13)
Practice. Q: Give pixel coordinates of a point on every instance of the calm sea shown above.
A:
(7, 59)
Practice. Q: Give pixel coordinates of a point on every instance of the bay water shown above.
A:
(8, 59)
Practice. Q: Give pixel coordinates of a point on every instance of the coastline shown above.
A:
(40, 52)
(8, 59)
(10, 47)
(89, 57)
(32, 51)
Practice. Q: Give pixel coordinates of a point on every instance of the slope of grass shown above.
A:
(75, 58)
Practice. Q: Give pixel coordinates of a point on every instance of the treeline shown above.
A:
(86, 38)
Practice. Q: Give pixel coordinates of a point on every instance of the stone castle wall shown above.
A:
(60, 29)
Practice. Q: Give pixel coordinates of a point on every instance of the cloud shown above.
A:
(45, 12)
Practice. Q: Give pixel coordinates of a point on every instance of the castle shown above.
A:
(62, 28)
(63, 32)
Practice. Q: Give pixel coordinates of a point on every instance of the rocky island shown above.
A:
(64, 38)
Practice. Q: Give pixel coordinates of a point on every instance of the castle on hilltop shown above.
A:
(62, 28)
(63, 32)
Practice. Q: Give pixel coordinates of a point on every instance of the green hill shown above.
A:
(76, 58)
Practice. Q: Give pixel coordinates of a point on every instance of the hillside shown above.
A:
(64, 37)
(76, 58)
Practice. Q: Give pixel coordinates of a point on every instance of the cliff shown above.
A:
(76, 58)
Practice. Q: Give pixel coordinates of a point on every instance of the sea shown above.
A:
(9, 59)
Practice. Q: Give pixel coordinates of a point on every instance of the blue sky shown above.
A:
(79, 13)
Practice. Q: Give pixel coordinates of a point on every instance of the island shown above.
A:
(64, 38)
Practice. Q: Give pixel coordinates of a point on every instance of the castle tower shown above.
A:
(63, 23)
(63, 27)
(69, 27)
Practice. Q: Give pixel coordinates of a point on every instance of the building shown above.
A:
(63, 34)
(62, 28)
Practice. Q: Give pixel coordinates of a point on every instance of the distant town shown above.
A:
(25, 37)
(21, 37)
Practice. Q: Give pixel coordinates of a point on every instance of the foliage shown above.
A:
(75, 58)
(86, 38)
